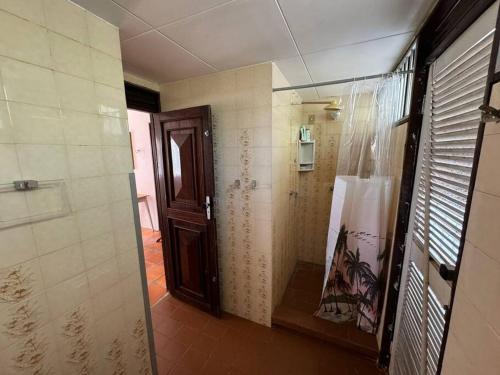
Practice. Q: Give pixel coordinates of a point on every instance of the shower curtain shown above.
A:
(360, 204)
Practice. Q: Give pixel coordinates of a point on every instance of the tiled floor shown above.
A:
(300, 302)
(155, 270)
(189, 342)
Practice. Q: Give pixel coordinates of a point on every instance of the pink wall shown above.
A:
(138, 123)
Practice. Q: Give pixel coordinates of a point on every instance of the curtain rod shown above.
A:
(339, 81)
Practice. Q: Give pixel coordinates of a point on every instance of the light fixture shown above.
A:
(334, 108)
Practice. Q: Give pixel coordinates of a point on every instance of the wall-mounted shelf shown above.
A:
(305, 155)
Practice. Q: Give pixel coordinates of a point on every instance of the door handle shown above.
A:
(208, 207)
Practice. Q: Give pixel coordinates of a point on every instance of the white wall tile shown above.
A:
(114, 131)
(103, 276)
(56, 234)
(103, 36)
(488, 173)
(483, 228)
(89, 192)
(82, 128)
(21, 245)
(119, 187)
(107, 70)
(6, 130)
(36, 124)
(98, 249)
(24, 40)
(76, 93)
(85, 161)
(110, 101)
(30, 10)
(107, 300)
(9, 167)
(70, 56)
(94, 222)
(117, 160)
(27, 83)
(65, 18)
(61, 265)
(42, 162)
(68, 294)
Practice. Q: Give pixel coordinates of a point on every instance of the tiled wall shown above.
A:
(473, 345)
(241, 103)
(312, 203)
(70, 292)
(285, 112)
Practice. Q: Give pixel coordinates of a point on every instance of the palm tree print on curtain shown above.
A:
(352, 288)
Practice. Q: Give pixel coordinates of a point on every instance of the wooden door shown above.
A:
(183, 141)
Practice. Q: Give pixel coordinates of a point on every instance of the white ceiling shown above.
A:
(310, 40)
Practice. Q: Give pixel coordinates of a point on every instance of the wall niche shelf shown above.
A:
(305, 155)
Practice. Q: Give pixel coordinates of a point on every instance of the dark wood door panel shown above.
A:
(183, 141)
(189, 250)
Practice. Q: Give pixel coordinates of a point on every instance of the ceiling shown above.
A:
(310, 40)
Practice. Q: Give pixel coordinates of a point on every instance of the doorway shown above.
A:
(142, 157)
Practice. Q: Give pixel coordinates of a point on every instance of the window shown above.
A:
(406, 64)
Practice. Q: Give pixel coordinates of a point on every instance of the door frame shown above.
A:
(448, 20)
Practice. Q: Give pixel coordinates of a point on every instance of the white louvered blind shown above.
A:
(456, 93)
(410, 333)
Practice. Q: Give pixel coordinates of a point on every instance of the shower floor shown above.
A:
(301, 300)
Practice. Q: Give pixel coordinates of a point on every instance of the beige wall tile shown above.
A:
(56, 234)
(28, 83)
(24, 40)
(36, 124)
(103, 36)
(67, 19)
(51, 128)
(61, 265)
(70, 56)
(488, 173)
(31, 11)
(483, 230)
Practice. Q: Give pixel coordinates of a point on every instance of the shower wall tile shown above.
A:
(57, 69)
(284, 250)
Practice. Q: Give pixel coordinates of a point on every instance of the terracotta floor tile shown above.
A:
(155, 293)
(215, 329)
(187, 335)
(193, 360)
(164, 365)
(232, 345)
(168, 327)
